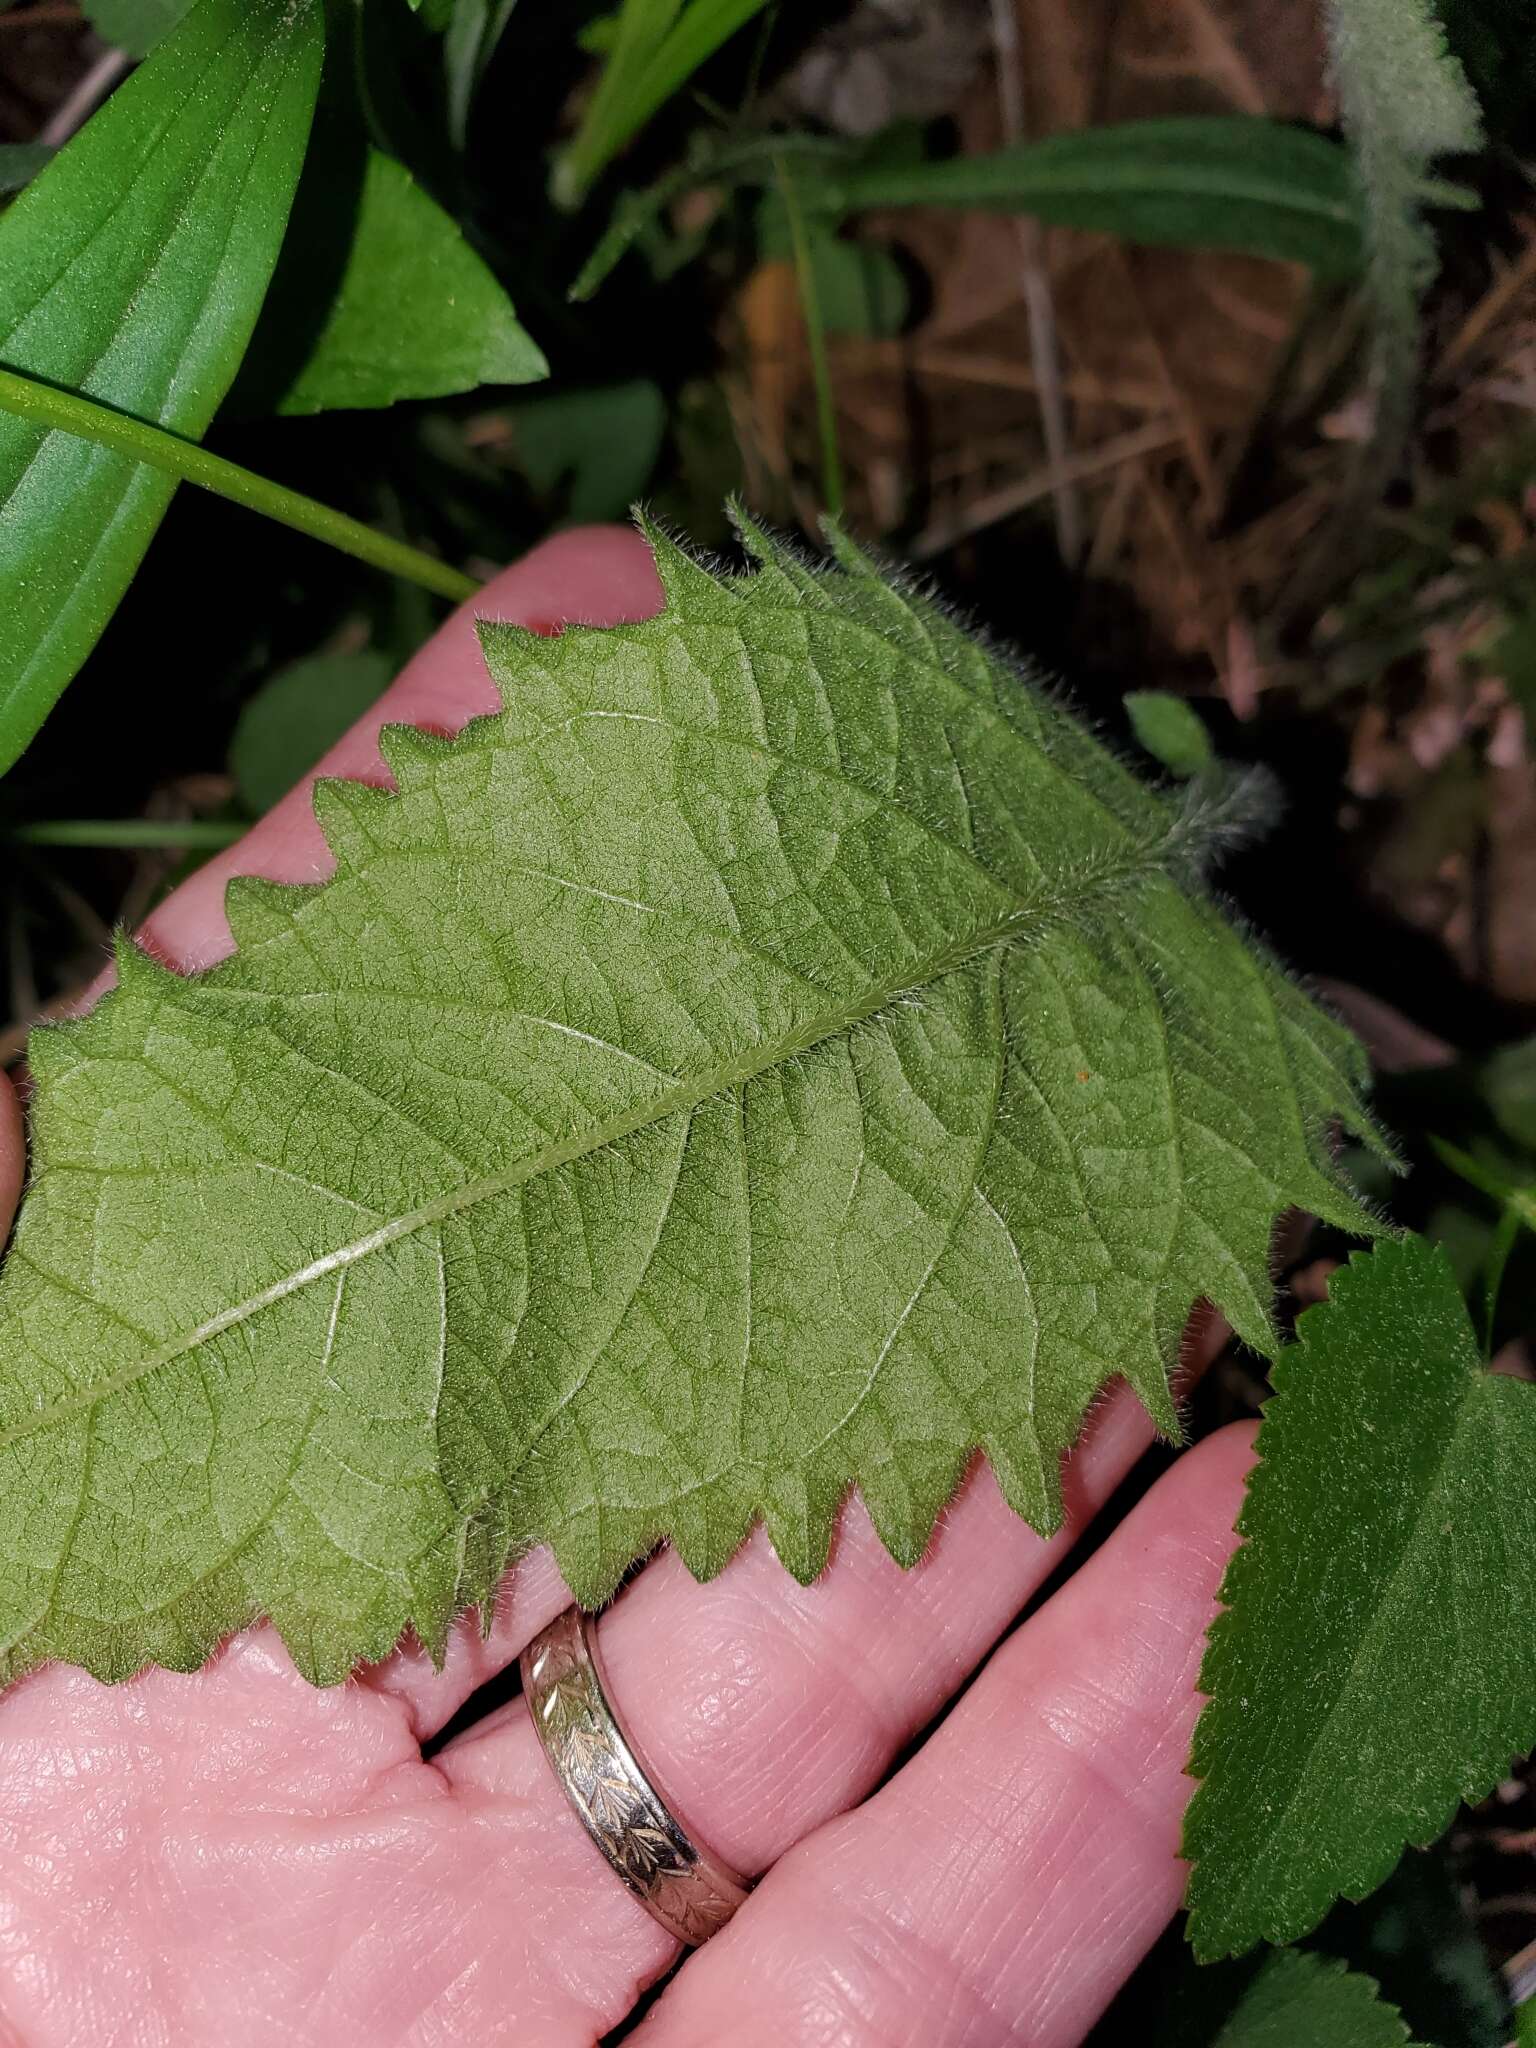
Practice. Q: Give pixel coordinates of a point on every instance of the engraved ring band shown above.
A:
(680, 1884)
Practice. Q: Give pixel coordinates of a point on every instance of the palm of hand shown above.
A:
(233, 1857)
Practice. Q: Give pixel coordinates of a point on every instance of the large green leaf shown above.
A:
(1376, 1662)
(132, 269)
(1229, 181)
(780, 1050)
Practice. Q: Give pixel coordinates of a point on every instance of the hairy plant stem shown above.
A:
(67, 412)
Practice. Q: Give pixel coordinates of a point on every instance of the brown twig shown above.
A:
(60, 14)
(1506, 287)
(1028, 490)
(78, 107)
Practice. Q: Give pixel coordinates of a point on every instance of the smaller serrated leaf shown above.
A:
(1376, 1660)
(1287, 1998)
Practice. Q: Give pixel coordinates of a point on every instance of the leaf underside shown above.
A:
(781, 1050)
(1376, 1662)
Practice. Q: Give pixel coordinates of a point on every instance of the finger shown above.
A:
(1008, 1879)
(764, 1707)
(12, 1155)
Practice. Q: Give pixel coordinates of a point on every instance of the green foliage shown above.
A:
(859, 287)
(1376, 1662)
(1404, 102)
(1171, 730)
(135, 25)
(1201, 181)
(133, 268)
(415, 312)
(469, 43)
(45, 406)
(780, 1050)
(1507, 1085)
(1494, 41)
(296, 717)
(1419, 1940)
(595, 450)
(1285, 1998)
(20, 163)
(1227, 181)
(657, 46)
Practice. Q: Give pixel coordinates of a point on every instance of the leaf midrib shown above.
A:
(735, 1072)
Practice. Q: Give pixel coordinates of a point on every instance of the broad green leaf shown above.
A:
(1171, 730)
(415, 312)
(132, 269)
(781, 1050)
(1224, 181)
(1376, 1662)
(1287, 1998)
(135, 25)
(295, 717)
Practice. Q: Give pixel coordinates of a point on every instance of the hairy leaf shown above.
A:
(132, 270)
(780, 1050)
(1376, 1662)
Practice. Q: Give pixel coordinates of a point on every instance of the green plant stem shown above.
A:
(816, 341)
(69, 413)
(190, 835)
(1493, 1276)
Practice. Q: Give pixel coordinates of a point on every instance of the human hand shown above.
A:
(234, 1857)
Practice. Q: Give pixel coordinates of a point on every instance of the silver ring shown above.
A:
(689, 1891)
